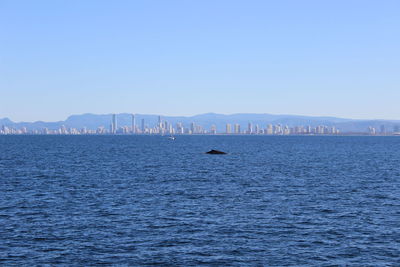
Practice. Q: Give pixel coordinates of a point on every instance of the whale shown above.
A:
(216, 152)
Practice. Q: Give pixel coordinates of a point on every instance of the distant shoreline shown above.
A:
(259, 135)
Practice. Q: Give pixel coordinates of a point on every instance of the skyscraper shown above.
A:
(179, 128)
(133, 124)
(237, 128)
(159, 122)
(114, 124)
(270, 129)
(213, 129)
(143, 127)
(250, 128)
(371, 130)
(165, 126)
(192, 128)
(228, 128)
(286, 130)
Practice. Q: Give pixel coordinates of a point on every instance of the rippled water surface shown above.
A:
(148, 200)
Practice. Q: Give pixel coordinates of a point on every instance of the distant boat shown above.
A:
(171, 137)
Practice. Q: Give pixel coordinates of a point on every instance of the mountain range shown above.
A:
(93, 121)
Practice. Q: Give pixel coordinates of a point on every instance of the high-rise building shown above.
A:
(250, 128)
(237, 128)
(371, 130)
(213, 129)
(63, 129)
(159, 122)
(113, 129)
(278, 129)
(143, 128)
(179, 128)
(286, 130)
(199, 129)
(298, 130)
(319, 129)
(270, 129)
(193, 128)
(165, 127)
(228, 128)
(133, 124)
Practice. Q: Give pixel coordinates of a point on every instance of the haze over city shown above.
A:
(316, 58)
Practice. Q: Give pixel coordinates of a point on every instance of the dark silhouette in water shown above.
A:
(215, 152)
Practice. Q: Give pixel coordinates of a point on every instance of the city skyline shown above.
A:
(189, 57)
(194, 115)
(163, 127)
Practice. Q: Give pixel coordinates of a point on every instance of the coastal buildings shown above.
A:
(127, 125)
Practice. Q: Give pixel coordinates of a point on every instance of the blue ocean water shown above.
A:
(148, 200)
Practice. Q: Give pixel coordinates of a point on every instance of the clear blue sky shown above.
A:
(336, 58)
